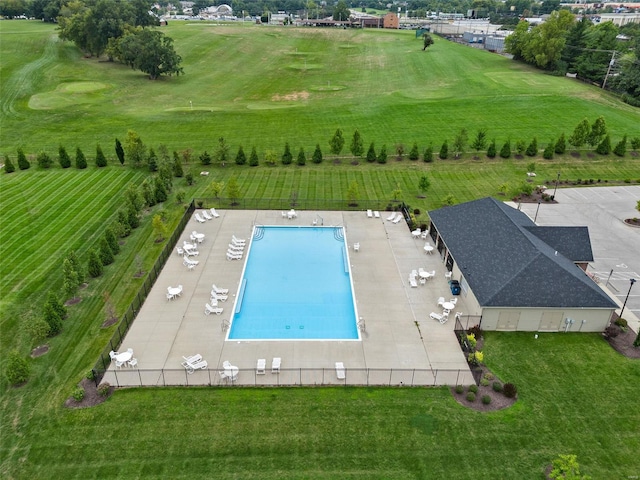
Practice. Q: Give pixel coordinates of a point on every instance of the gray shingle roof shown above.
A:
(507, 265)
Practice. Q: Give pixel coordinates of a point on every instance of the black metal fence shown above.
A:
(133, 377)
(461, 335)
(296, 203)
(127, 319)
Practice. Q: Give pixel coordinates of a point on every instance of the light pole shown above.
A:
(536, 217)
(632, 281)
(556, 187)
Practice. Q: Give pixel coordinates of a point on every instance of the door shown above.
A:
(551, 321)
(508, 320)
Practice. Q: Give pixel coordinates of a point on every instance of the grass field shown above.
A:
(576, 394)
(266, 86)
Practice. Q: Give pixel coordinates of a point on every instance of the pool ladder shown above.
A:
(258, 233)
(338, 234)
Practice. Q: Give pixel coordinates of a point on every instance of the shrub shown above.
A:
(532, 149)
(414, 154)
(90, 375)
(484, 382)
(63, 157)
(101, 160)
(635, 143)
(60, 309)
(471, 338)
(621, 147)
(473, 388)
(486, 399)
(287, 157)
(489, 376)
(23, 163)
(459, 389)
(17, 369)
(371, 153)
(205, 158)
(78, 394)
(521, 146)
(53, 319)
(302, 158)
(476, 331)
(471, 397)
(106, 255)
(44, 160)
(621, 322)
(444, 151)
(94, 266)
(611, 332)
(37, 329)
(382, 156)
(189, 178)
(317, 155)
(112, 240)
(427, 156)
(604, 147)
(497, 386)
(509, 390)
(152, 161)
(8, 165)
(81, 160)
(505, 151)
(548, 151)
(561, 145)
(103, 389)
(177, 166)
(253, 158)
(491, 151)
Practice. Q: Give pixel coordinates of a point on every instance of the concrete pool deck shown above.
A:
(400, 343)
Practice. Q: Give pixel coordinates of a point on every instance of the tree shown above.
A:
(352, 194)
(159, 227)
(132, 216)
(516, 42)
(341, 12)
(270, 158)
(81, 160)
(241, 158)
(459, 142)
(444, 151)
(119, 152)
(44, 160)
(427, 156)
(399, 151)
(580, 134)
(37, 329)
(532, 149)
(302, 159)
(561, 145)
(112, 240)
(233, 190)
(317, 155)
(414, 154)
(217, 188)
(8, 165)
(336, 143)
(565, 467)
(357, 148)
(371, 153)
(205, 158)
(604, 147)
(253, 158)
(546, 41)
(106, 255)
(76, 266)
(521, 147)
(427, 41)
(287, 158)
(134, 149)
(160, 190)
(222, 152)
(491, 151)
(597, 133)
(53, 320)
(424, 184)
(178, 172)
(549, 150)
(480, 141)
(148, 51)
(17, 369)
(593, 61)
(621, 147)
(101, 160)
(123, 220)
(94, 266)
(152, 161)
(53, 301)
(23, 163)
(382, 156)
(132, 194)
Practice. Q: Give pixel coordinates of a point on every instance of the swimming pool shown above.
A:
(296, 285)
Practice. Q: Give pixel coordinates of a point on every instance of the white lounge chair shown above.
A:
(199, 218)
(413, 282)
(206, 215)
(356, 247)
(454, 300)
(209, 309)
(191, 252)
(119, 364)
(236, 248)
(191, 367)
(370, 213)
(435, 316)
(233, 256)
(222, 291)
(192, 359)
(423, 281)
(444, 318)
(275, 364)
(391, 217)
(261, 366)
(376, 214)
(238, 241)
(340, 371)
(398, 218)
(218, 297)
(214, 214)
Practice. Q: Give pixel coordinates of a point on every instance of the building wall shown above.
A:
(390, 20)
(545, 319)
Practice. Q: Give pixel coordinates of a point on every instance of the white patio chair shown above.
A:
(119, 364)
(261, 366)
(208, 309)
(369, 213)
(206, 215)
(440, 301)
(275, 364)
(391, 217)
(447, 275)
(133, 362)
(435, 316)
(340, 371)
(222, 291)
(199, 218)
(237, 240)
(214, 214)
(356, 247)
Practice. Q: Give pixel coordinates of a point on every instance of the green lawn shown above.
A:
(262, 87)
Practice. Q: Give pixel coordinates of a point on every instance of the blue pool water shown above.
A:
(296, 285)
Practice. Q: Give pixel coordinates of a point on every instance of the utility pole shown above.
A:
(613, 56)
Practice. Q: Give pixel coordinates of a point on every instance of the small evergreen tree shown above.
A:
(561, 145)
(148, 193)
(60, 309)
(382, 156)
(44, 160)
(459, 142)
(399, 151)
(302, 159)
(621, 147)
(597, 133)
(222, 152)
(132, 216)
(37, 330)
(317, 154)
(604, 147)
(205, 158)
(580, 134)
(233, 190)
(491, 151)
(152, 160)
(159, 227)
(357, 147)
(427, 156)
(352, 194)
(241, 158)
(371, 153)
(132, 194)
(414, 154)
(253, 158)
(336, 143)
(178, 172)
(123, 220)
(480, 141)
(63, 157)
(23, 163)
(287, 157)
(53, 320)
(444, 151)
(505, 151)
(81, 160)
(160, 190)
(94, 266)
(77, 267)
(119, 152)
(424, 184)
(17, 369)
(135, 150)
(549, 150)
(635, 143)
(101, 160)
(8, 165)
(105, 253)
(521, 147)
(532, 149)
(112, 240)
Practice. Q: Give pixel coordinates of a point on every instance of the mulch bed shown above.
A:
(72, 301)
(39, 351)
(91, 395)
(498, 400)
(623, 343)
(635, 222)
